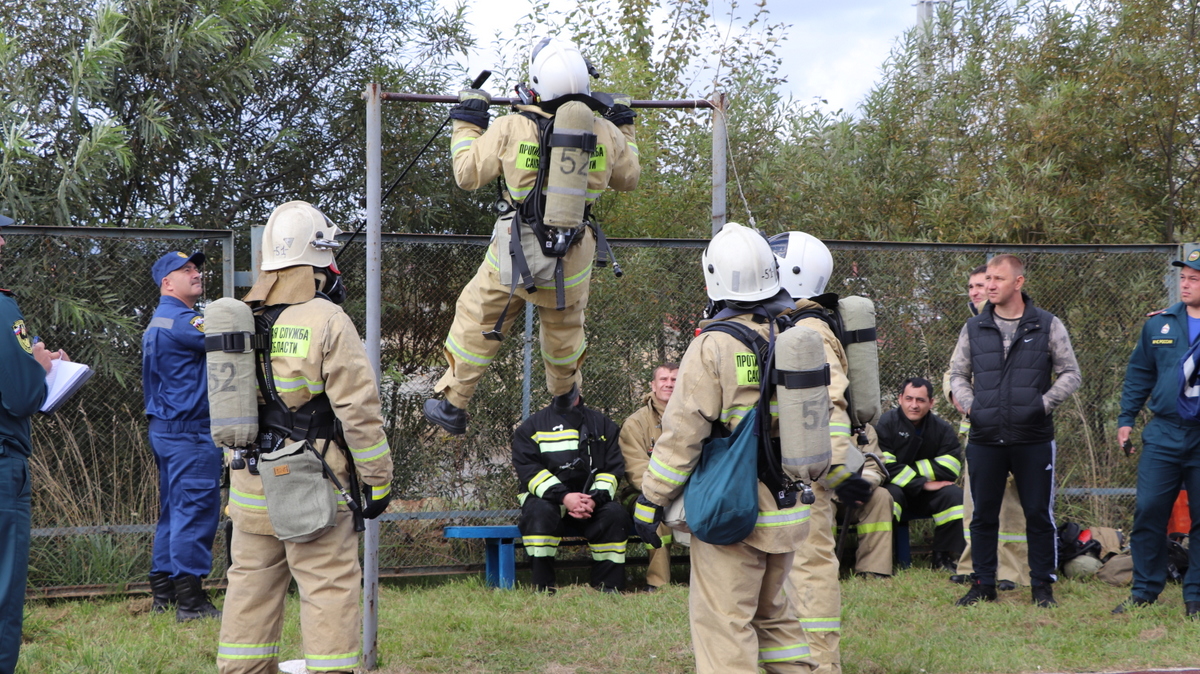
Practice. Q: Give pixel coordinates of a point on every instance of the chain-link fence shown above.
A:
(95, 498)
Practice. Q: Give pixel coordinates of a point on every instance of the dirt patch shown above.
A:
(1153, 634)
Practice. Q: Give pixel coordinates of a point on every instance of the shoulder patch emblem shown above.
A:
(198, 323)
(1195, 255)
(22, 335)
(1166, 328)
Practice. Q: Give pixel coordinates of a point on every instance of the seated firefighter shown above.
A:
(638, 435)
(924, 459)
(568, 458)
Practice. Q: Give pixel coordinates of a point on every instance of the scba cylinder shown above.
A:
(802, 390)
(862, 353)
(572, 143)
(232, 390)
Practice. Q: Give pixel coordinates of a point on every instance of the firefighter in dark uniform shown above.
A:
(175, 387)
(23, 369)
(569, 459)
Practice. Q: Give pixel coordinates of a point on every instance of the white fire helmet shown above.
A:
(298, 234)
(557, 68)
(805, 264)
(739, 266)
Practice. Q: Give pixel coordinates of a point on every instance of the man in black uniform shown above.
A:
(924, 459)
(569, 460)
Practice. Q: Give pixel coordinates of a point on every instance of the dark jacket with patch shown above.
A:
(22, 379)
(558, 454)
(174, 369)
(913, 459)
(1008, 407)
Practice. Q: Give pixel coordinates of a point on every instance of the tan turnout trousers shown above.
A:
(872, 522)
(814, 588)
(1012, 550)
(329, 578)
(469, 353)
(759, 626)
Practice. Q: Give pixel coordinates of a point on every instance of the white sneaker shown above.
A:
(293, 667)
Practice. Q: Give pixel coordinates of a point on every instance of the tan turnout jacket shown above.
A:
(508, 149)
(707, 390)
(316, 348)
(639, 434)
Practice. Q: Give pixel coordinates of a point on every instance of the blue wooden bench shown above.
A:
(501, 567)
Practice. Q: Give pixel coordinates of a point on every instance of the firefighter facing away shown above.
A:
(805, 268)
(741, 619)
(555, 157)
(319, 394)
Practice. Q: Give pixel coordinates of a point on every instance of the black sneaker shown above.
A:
(1131, 603)
(978, 593)
(1006, 586)
(441, 413)
(1192, 609)
(1043, 596)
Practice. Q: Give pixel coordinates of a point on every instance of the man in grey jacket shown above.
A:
(1012, 367)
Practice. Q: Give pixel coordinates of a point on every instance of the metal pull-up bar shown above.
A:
(691, 103)
(375, 96)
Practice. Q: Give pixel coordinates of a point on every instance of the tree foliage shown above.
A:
(1010, 122)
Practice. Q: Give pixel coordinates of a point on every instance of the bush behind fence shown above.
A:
(95, 493)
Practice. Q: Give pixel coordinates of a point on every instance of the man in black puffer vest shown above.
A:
(1002, 373)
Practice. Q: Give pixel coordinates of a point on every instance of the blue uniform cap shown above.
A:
(1192, 261)
(171, 262)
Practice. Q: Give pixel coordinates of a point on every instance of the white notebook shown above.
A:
(64, 379)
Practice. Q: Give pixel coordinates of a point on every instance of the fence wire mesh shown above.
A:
(95, 484)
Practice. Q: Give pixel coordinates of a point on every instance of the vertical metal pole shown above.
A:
(720, 140)
(256, 234)
(227, 248)
(526, 393)
(374, 273)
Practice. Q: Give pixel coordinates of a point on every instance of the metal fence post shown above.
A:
(374, 272)
(720, 140)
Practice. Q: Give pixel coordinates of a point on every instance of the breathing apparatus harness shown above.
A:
(770, 466)
(530, 213)
(313, 421)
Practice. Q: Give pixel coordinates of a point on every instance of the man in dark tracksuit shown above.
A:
(924, 460)
(1171, 446)
(1001, 375)
(175, 386)
(569, 460)
(23, 369)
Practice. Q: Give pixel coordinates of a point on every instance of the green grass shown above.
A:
(906, 625)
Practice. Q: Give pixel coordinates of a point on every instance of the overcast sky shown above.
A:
(834, 48)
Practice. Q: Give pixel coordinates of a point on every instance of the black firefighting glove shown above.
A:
(853, 490)
(620, 114)
(472, 107)
(376, 500)
(646, 516)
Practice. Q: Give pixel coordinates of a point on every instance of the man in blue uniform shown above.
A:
(175, 384)
(1171, 454)
(23, 368)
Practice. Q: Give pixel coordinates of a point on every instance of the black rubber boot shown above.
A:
(193, 602)
(543, 574)
(563, 402)
(943, 561)
(441, 413)
(163, 589)
(1192, 609)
